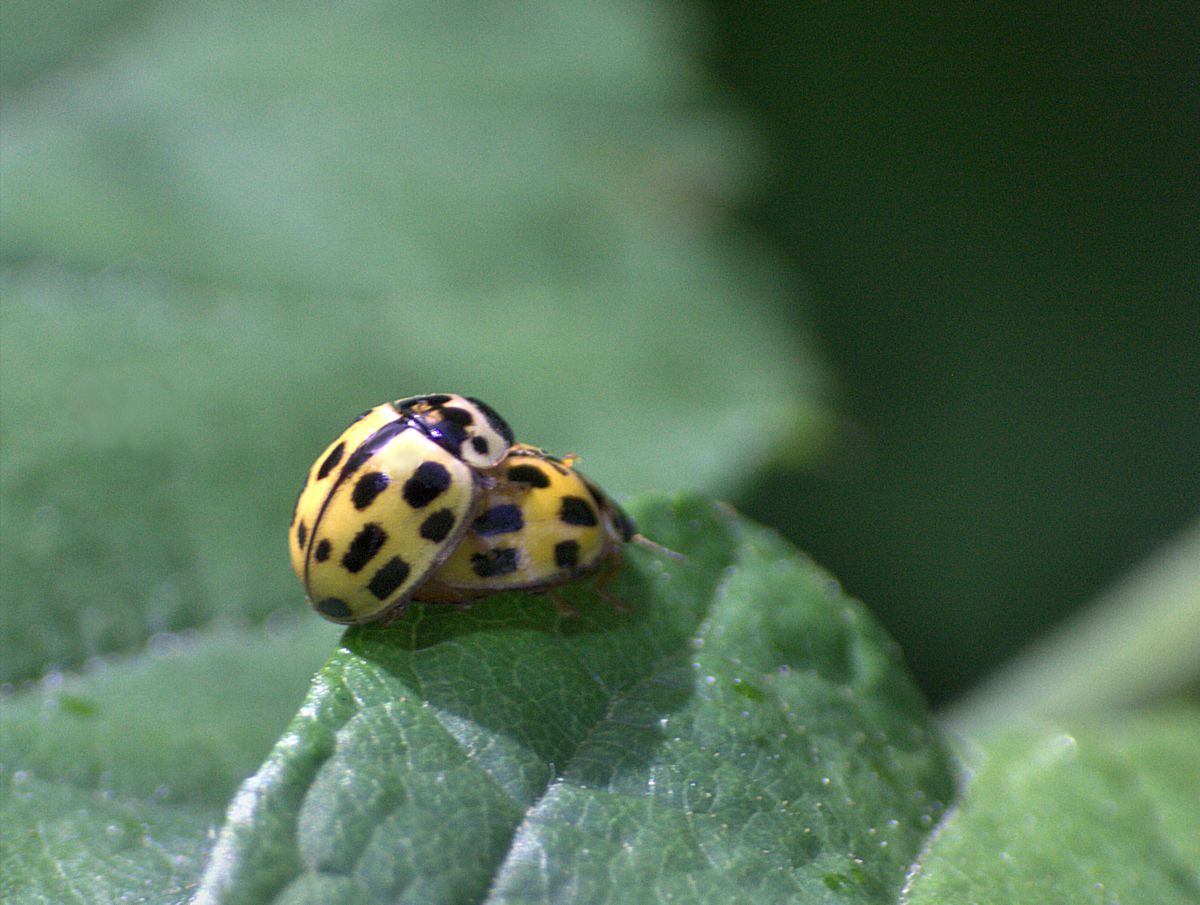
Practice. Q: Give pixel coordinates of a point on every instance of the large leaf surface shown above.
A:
(743, 731)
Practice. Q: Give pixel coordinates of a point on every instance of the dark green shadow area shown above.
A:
(996, 210)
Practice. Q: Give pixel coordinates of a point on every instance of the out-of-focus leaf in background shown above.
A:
(1102, 813)
(228, 229)
(113, 780)
(39, 36)
(1137, 645)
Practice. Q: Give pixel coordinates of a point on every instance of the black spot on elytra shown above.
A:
(321, 553)
(331, 461)
(529, 474)
(390, 576)
(367, 488)
(334, 608)
(577, 511)
(302, 534)
(566, 554)
(365, 545)
(437, 527)
(480, 445)
(448, 435)
(502, 519)
(495, 562)
(498, 424)
(426, 485)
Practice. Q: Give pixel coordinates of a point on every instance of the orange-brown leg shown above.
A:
(564, 609)
(394, 615)
(605, 577)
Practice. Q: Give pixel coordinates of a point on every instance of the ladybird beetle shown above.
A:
(389, 500)
(540, 523)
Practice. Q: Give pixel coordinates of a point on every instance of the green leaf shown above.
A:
(743, 732)
(227, 229)
(182, 723)
(372, 145)
(62, 844)
(41, 34)
(111, 782)
(1102, 813)
(476, 201)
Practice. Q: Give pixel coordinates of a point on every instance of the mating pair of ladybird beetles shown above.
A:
(429, 498)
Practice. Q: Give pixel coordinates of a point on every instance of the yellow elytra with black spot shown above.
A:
(540, 523)
(389, 500)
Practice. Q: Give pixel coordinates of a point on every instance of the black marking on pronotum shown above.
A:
(494, 562)
(529, 474)
(577, 511)
(334, 608)
(375, 442)
(437, 527)
(448, 430)
(502, 519)
(367, 488)
(566, 554)
(390, 576)
(432, 401)
(458, 416)
(331, 461)
(446, 434)
(480, 445)
(498, 424)
(426, 484)
(322, 552)
(301, 534)
(369, 540)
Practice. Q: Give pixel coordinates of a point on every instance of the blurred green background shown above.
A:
(918, 289)
(998, 210)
